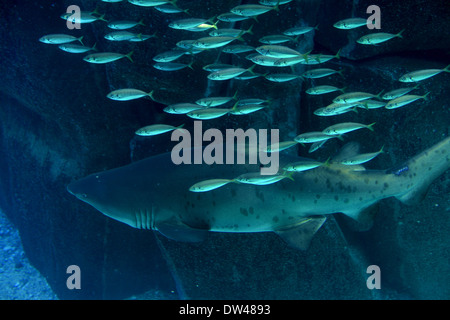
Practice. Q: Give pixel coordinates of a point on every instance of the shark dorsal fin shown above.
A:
(300, 236)
(349, 150)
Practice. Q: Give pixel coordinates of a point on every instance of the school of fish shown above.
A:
(274, 52)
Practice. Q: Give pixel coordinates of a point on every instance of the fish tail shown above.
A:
(214, 25)
(94, 47)
(446, 69)
(249, 30)
(190, 64)
(239, 36)
(235, 95)
(289, 174)
(425, 96)
(370, 126)
(96, 11)
(102, 18)
(343, 90)
(81, 40)
(141, 22)
(234, 107)
(276, 7)
(400, 34)
(150, 94)
(378, 96)
(338, 54)
(128, 55)
(251, 69)
(420, 171)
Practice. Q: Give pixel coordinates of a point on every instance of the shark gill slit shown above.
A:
(143, 219)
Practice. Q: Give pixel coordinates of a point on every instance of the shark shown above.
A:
(154, 194)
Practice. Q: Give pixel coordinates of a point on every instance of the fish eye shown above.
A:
(84, 195)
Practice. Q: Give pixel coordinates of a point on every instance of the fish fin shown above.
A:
(349, 150)
(102, 18)
(81, 40)
(249, 30)
(446, 69)
(400, 34)
(128, 55)
(379, 95)
(425, 96)
(94, 47)
(299, 236)
(370, 126)
(141, 22)
(362, 220)
(277, 6)
(235, 106)
(178, 231)
(95, 11)
(150, 94)
(338, 54)
(190, 65)
(251, 69)
(236, 95)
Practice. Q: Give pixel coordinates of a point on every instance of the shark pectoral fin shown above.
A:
(178, 231)
(362, 220)
(300, 236)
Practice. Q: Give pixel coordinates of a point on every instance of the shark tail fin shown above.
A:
(299, 236)
(422, 170)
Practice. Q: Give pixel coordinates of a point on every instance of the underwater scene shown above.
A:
(225, 150)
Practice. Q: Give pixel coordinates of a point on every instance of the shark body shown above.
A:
(154, 194)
